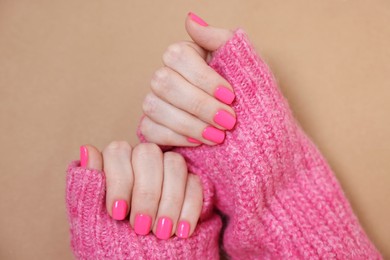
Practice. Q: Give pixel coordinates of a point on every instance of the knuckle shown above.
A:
(147, 195)
(147, 148)
(197, 105)
(118, 146)
(194, 183)
(174, 159)
(144, 127)
(159, 82)
(173, 200)
(173, 53)
(149, 104)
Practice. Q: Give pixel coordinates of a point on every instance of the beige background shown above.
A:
(75, 72)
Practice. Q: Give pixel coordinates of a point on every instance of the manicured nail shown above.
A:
(193, 140)
(119, 209)
(225, 119)
(142, 224)
(197, 19)
(164, 228)
(83, 156)
(183, 229)
(224, 95)
(213, 134)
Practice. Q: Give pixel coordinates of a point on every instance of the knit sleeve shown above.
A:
(95, 235)
(278, 193)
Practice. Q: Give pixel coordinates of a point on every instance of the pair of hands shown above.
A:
(188, 106)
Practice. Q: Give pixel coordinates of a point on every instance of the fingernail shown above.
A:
(213, 134)
(164, 228)
(224, 95)
(83, 156)
(142, 224)
(197, 19)
(119, 209)
(183, 229)
(225, 119)
(193, 140)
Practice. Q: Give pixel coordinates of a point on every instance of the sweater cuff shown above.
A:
(95, 235)
(239, 57)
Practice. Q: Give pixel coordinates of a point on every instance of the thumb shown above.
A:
(85, 192)
(205, 35)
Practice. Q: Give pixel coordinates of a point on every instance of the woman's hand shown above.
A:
(189, 101)
(154, 188)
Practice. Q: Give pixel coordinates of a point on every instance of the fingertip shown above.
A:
(192, 16)
(194, 141)
(119, 209)
(206, 36)
(183, 229)
(192, 207)
(90, 157)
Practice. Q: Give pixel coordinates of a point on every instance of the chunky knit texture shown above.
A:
(95, 235)
(279, 195)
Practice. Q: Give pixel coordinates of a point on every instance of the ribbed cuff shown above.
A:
(95, 235)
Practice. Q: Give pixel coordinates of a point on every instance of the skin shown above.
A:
(181, 103)
(173, 192)
(331, 59)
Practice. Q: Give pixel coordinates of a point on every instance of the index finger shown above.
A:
(189, 63)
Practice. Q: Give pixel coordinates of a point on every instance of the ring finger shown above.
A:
(174, 184)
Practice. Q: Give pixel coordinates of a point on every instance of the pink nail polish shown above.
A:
(142, 224)
(213, 134)
(83, 156)
(197, 19)
(183, 229)
(225, 119)
(224, 95)
(119, 209)
(164, 228)
(193, 140)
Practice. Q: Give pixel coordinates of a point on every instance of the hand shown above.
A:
(161, 194)
(189, 101)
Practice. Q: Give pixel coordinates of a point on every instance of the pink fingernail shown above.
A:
(213, 134)
(225, 119)
(83, 156)
(197, 19)
(224, 95)
(119, 209)
(164, 228)
(142, 224)
(193, 140)
(183, 229)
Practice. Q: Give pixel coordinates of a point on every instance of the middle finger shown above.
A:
(173, 88)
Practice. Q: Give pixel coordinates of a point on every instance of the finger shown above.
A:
(159, 134)
(181, 122)
(147, 161)
(202, 52)
(91, 157)
(174, 89)
(119, 178)
(175, 179)
(192, 207)
(208, 37)
(187, 62)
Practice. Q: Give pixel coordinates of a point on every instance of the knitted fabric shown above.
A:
(95, 235)
(279, 195)
(281, 199)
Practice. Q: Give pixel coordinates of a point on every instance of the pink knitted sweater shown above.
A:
(275, 190)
